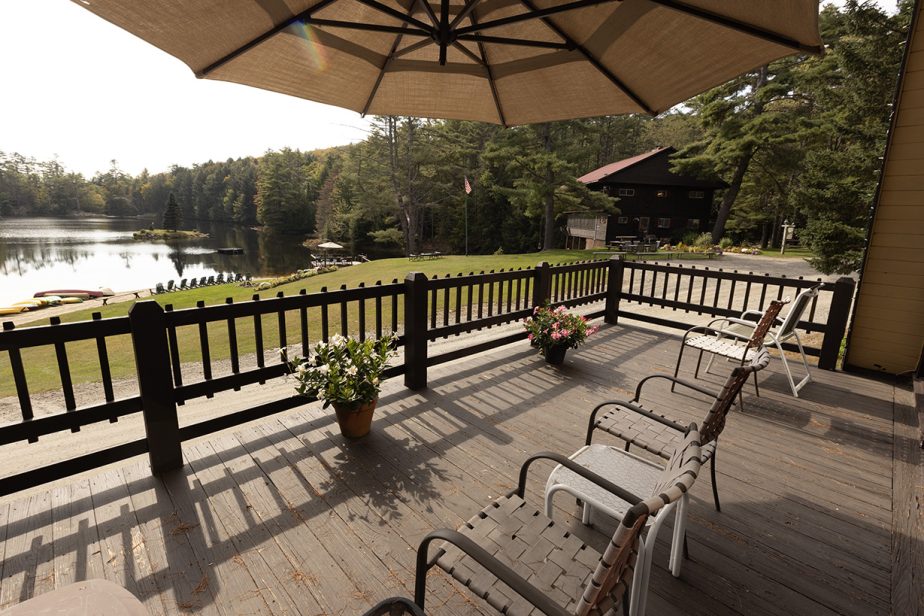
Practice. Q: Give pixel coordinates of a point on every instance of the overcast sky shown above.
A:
(79, 88)
(75, 86)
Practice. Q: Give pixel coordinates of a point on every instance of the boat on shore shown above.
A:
(81, 293)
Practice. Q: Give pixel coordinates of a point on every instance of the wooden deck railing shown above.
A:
(177, 353)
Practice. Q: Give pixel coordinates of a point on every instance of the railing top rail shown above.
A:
(480, 278)
(802, 283)
(249, 308)
(42, 335)
(582, 265)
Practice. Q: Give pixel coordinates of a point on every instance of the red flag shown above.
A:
(468, 187)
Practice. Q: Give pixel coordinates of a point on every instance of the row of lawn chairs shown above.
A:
(514, 556)
(193, 283)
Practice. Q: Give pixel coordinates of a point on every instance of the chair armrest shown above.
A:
(710, 331)
(630, 406)
(673, 379)
(576, 468)
(487, 560)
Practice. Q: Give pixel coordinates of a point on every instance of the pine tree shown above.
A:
(172, 215)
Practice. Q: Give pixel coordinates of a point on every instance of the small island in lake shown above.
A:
(164, 234)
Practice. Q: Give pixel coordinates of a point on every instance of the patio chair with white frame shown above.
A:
(781, 331)
(730, 344)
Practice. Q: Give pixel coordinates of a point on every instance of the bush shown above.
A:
(838, 247)
(299, 275)
(726, 242)
(703, 240)
(689, 238)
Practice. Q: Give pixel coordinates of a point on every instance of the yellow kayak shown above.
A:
(27, 305)
(11, 309)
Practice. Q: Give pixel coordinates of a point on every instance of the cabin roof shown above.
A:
(606, 170)
(652, 167)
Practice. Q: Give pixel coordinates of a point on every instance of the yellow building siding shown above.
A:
(887, 332)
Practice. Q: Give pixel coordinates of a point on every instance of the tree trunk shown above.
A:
(728, 199)
(741, 169)
(548, 238)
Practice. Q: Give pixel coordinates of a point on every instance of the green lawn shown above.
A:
(41, 366)
(794, 252)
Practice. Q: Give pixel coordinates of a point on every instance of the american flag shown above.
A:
(468, 187)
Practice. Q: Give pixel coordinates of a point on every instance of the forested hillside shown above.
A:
(800, 139)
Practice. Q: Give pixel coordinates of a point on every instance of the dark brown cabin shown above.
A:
(654, 202)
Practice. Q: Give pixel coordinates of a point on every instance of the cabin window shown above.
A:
(661, 194)
(626, 192)
(697, 194)
(643, 222)
(664, 223)
(622, 220)
(693, 223)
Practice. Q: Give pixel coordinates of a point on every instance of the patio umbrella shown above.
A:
(503, 61)
(330, 246)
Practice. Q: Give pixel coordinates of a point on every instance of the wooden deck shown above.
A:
(286, 517)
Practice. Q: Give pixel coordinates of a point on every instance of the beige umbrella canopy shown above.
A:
(503, 61)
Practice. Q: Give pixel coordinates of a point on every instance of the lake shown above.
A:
(87, 253)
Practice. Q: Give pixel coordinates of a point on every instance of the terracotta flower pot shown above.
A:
(555, 355)
(355, 418)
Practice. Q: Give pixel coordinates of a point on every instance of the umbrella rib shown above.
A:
(414, 47)
(740, 26)
(580, 4)
(351, 25)
(487, 68)
(388, 59)
(474, 58)
(616, 81)
(466, 10)
(387, 10)
(266, 35)
(501, 40)
(429, 10)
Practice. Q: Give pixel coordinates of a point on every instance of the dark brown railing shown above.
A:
(174, 350)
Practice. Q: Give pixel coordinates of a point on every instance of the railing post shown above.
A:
(841, 299)
(415, 331)
(542, 289)
(614, 289)
(152, 361)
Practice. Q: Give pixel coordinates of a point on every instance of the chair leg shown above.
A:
(756, 387)
(678, 541)
(715, 489)
(639, 579)
(808, 375)
(699, 360)
(709, 363)
(677, 367)
(585, 515)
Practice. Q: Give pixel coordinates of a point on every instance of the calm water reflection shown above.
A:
(45, 253)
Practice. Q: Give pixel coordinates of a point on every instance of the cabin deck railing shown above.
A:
(181, 355)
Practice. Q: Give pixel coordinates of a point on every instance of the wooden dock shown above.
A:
(284, 516)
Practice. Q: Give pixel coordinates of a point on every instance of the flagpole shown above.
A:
(466, 224)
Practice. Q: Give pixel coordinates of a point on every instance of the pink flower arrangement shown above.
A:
(551, 327)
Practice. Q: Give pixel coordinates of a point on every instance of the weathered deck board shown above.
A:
(284, 516)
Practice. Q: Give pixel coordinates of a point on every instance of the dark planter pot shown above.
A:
(355, 418)
(556, 355)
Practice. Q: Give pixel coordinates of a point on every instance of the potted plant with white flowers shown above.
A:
(345, 373)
